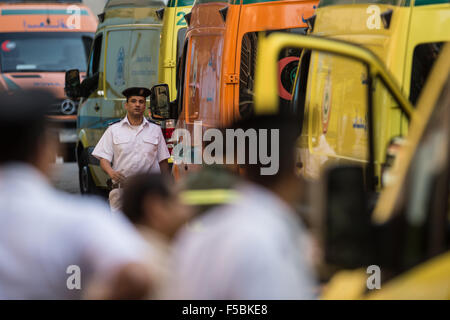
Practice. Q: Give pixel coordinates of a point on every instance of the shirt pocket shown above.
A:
(122, 142)
(150, 147)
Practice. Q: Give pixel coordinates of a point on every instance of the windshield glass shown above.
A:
(44, 51)
(131, 60)
(203, 78)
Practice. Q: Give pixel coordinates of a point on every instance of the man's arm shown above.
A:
(115, 175)
(104, 152)
(164, 166)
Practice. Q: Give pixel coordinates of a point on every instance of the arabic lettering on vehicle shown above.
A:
(43, 25)
(360, 123)
(120, 73)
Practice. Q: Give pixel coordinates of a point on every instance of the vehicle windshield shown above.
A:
(131, 59)
(203, 78)
(44, 51)
(325, 3)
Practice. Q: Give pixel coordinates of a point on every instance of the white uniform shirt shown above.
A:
(44, 231)
(252, 249)
(132, 150)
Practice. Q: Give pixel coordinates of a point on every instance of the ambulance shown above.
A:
(330, 92)
(217, 66)
(401, 248)
(378, 243)
(39, 41)
(174, 32)
(172, 40)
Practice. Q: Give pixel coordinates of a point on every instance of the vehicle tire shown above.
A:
(87, 185)
(69, 155)
(247, 74)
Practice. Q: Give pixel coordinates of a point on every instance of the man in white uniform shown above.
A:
(53, 245)
(133, 145)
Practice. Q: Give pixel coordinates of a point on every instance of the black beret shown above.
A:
(136, 91)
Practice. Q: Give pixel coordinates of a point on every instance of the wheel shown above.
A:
(247, 74)
(87, 185)
(69, 154)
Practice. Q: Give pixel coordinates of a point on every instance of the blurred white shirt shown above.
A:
(252, 249)
(44, 231)
(132, 150)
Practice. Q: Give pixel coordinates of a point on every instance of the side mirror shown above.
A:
(160, 106)
(73, 86)
(349, 240)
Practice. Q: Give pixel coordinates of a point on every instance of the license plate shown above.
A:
(67, 136)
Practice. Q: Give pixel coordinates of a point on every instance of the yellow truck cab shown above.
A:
(401, 235)
(124, 54)
(405, 240)
(339, 89)
(405, 36)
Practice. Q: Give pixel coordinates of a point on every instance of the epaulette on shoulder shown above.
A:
(153, 121)
(114, 122)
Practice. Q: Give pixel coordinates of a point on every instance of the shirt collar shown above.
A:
(145, 122)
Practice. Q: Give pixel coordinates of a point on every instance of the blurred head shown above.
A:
(198, 186)
(25, 133)
(152, 200)
(284, 181)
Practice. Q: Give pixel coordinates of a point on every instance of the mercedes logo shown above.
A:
(68, 107)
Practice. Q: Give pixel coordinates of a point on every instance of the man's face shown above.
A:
(135, 106)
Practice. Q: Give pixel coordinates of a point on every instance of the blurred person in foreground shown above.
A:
(256, 246)
(152, 203)
(46, 235)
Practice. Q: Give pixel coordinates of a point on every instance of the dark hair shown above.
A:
(23, 123)
(140, 186)
(289, 131)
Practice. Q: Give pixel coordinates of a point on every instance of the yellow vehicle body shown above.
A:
(173, 33)
(428, 281)
(125, 54)
(342, 136)
(411, 24)
(421, 171)
(429, 138)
